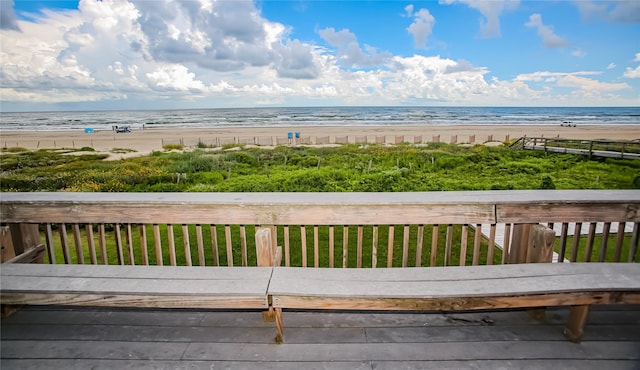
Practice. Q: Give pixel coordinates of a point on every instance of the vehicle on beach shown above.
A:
(122, 128)
(568, 124)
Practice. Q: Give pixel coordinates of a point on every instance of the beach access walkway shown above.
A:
(592, 148)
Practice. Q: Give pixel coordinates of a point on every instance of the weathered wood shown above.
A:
(563, 242)
(491, 245)
(135, 286)
(130, 252)
(590, 240)
(374, 249)
(463, 244)
(390, 245)
(476, 244)
(540, 245)
(77, 240)
(187, 244)
(405, 246)
(345, 246)
(214, 245)
(158, 244)
(331, 246)
(287, 246)
(359, 245)
(93, 257)
(316, 247)
(200, 244)
(448, 243)
(619, 242)
(604, 241)
(24, 236)
(64, 241)
(6, 244)
(575, 324)
(434, 246)
(172, 245)
(243, 245)
(303, 241)
(635, 236)
(48, 237)
(227, 237)
(263, 247)
(32, 255)
(419, 245)
(118, 234)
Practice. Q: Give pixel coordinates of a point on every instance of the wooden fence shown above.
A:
(591, 148)
(321, 229)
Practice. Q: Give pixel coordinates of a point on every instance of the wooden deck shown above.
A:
(81, 338)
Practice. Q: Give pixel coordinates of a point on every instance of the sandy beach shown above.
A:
(144, 141)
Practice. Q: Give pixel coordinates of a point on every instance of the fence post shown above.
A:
(267, 255)
(27, 245)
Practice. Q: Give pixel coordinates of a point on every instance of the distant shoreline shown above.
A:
(144, 141)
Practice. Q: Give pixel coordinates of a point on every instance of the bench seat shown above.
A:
(135, 286)
(456, 288)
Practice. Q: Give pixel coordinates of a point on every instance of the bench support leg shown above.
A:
(279, 331)
(575, 325)
(269, 315)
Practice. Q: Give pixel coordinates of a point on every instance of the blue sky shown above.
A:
(130, 54)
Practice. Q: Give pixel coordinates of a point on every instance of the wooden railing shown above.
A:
(321, 229)
(592, 148)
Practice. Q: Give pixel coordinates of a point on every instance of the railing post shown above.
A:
(26, 244)
(532, 243)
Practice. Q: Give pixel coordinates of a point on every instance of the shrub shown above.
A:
(168, 147)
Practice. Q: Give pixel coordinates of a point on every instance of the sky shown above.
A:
(170, 54)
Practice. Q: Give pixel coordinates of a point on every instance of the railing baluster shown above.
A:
(577, 235)
(491, 247)
(172, 245)
(359, 247)
(405, 246)
(316, 247)
(77, 240)
(200, 242)
(158, 244)
(345, 246)
(187, 244)
(214, 245)
(448, 243)
(144, 250)
(604, 241)
(633, 246)
(227, 237)
(287, 247)
(390, 239)
(434, 246)
(102, 240)
(463, 244)
(119, 244)
(419, 245)
(92, 244)
(619, 241)
(590, 240)
(64, 240)
(507, 243)
(476, 245)
(303, 242)
(331, 246)
(132, 260)
(243, 245)
(563, 241)
(51, 252)
(374, 247)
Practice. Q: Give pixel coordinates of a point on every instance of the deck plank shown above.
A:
(100, 338)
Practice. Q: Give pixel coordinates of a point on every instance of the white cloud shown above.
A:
(421, 27)
(589, 84)
(549, 38)
(349, 51)
(491, 11)
(175, 77)
(579, 53)
(637, 58)
(615, 11)
(611, 65)
(632, 73)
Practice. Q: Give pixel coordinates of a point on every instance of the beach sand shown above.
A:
(144, 141)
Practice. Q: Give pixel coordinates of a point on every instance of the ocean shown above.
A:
(319, 116)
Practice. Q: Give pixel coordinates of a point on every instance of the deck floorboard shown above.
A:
(101, 338)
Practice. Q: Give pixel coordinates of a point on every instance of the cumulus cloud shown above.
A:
(549, 38)
(349, 51)
(632, 73)
(8, 16)
(614, 11)
(421, 27)
(637, 58)
(491, 11)
(573, 80)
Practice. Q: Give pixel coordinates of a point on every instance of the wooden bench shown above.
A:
(135, 286)
(458, 289)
